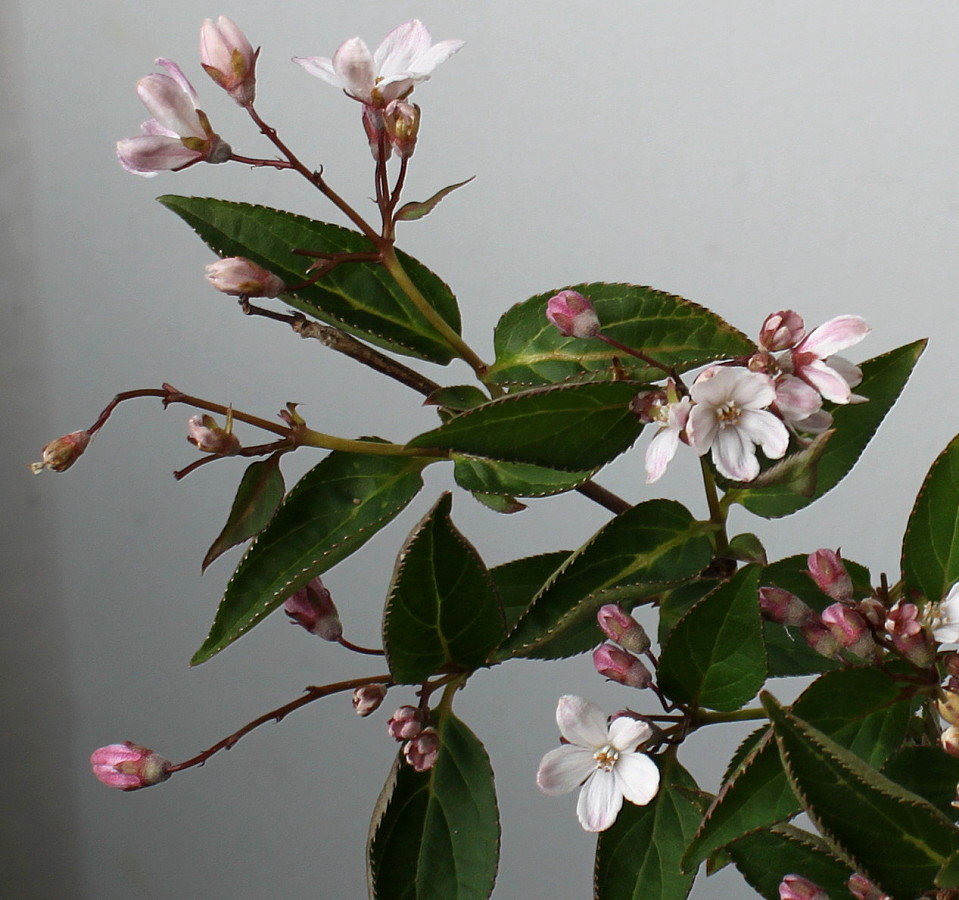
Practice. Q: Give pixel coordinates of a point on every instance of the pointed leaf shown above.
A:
(673, 331)
(714, 656)
(457, 397)
(409, 212)
(501, 503)
(928, 772)
(442, 612)
(747, 548)
(628, 558)
(259, 494)
(519, 581)
(894, 837)
(489, 476)
(436, 835)
(359, 297)
(569, 427)
(332, 511)
(637, 858)
(883, 379)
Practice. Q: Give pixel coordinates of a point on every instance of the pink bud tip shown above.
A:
(621, 666)
(863, 889)
(128, 766)
(850, 629)
(781, 330)
(781, 606)
(62, 453)
(367, 699)
(421, 751)
(795, 887)
(405, 723)
(621, 627)
(312, 608)
(241, 277)
(827, 570)
(228, 58)
(572, 314)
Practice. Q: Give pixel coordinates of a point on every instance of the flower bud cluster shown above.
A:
(422, 742)
(619, 664)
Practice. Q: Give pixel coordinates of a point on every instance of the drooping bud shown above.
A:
(421, 751)
(406, 723)
(621, 627)
(781, 330)
(241, 277)
(781, 606)
(401, 120)
(949, 740)
(312, 608)
(621, 666)
(573, 314)
(795, 887)
(863, 889)
(827, 570)
(129, 766)
(62, 453)
(850, 629)
(904, 626)
(204, 433)
(229, 59)
(819, 637)
(367, 699)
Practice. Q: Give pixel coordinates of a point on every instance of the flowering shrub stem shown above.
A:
(717, 514)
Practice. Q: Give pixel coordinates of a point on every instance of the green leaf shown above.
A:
(637, 858)
(259, 494)
(519, 581)
(331, 512)
(894, 837)
(928, 772)
(485, 476)
(930, 547)
(501, 503)
(457, 397)
(567, 427)
(435, 834)
(948, 876)
(714, 655)
(359, 297)
(766, 857)
(673, 331)
(409, 212)
(747, 548)
(676, 602)
(628, 558)
(883, 379)
(442, 612)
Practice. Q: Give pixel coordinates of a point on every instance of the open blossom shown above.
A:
(730, 416)
(178, 135)
(228, 58)
(943, 617)
(602, 759)
(129, 766)
(813, 359)
(662, 448)
(406, 57)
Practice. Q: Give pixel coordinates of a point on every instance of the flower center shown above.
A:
(728, 414)
(606, 757)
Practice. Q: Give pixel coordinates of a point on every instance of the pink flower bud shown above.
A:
(819, 637)
(572, 314)
(795, 887)
(781, 330)
(863, 889)
(228, 58)
(367, 699)
(401, 120)
(62, 453)
(781, 606)
(421, 752)
(405, 723)
(129, 766)
(240, 277)
(312, 608)
(373, 126)
(949, 740)
(206, 435)
(904, 627)
(620, 666)
(621, 627)
(850, 629)
(829, 573)
(873, 610)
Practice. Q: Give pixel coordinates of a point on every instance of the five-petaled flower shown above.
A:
(406, 57)
(600, 757)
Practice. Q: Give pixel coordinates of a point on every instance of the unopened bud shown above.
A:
(904, 626)
(367, 699)
(621, 666)
(795, 887)
(827, 570)
(873, 610)
(373, 126)
(781, 330)
(401, 120)
(405, 723)
(863, 889)
(229, 59)
(421, 751)
(572, 314)
(241, 277)
(819, 637)
(129, 766)
(62, 453)
(781, 606)
(204, 433)
(850, 629)
(949, 740)
(312, 608)
(621, 627)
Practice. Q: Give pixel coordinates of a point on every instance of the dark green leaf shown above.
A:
(435, 834)
(442, 611)
(948, 876)
(332, 511)
(930, 548)
(628, 558)
(520, 580)
(568, 427)
(457, 397)
(501, 503)
(409, 212)
(794, 476)
(359, 297)
(637, 858)
(676, 602)
(747, 548)
(259, 494)
(894, 837)
(928, 772)
(714, 655)
(487, 476)
(883, 379)
(671, 330)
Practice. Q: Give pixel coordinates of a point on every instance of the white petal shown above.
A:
(149, 154)
(752, 390)
(826, 380)
(835, 335)
(581, 722)
(702, 427)
(795, 399)
(564, 769)
(425, 62)
(599, 801)
(354, 67)
(816, 423)
(850, 372)
(661, 449)
(637, 778)
(735, 455)
(400, 47)
(765, 429)
(170, 106)
(626, 733)
(321, 67)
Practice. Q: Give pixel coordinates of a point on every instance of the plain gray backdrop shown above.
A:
(750, 156)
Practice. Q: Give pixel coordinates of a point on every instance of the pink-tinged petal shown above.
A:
(816, 423)
(835, 335)
(626, 733)
(599, 801)
(581, 722)
(321, 67)
(400, 47)
(353, 65)
(795, 399)
(424, 63)
(702, 427)
(763, 428)
(826, 380)
(176, 73)
(751, 390)
(148, 154)
(564, 769)
(734, 455)
(659, 453)
(170, 106)
(850, 372)
(637, 777)
(152, 126)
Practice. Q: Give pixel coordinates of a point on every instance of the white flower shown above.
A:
(601, 758)
(662, 448)
(943, 617)
(729, 416)
(406, 57)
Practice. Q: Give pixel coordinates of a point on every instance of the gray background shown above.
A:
(748, 155)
